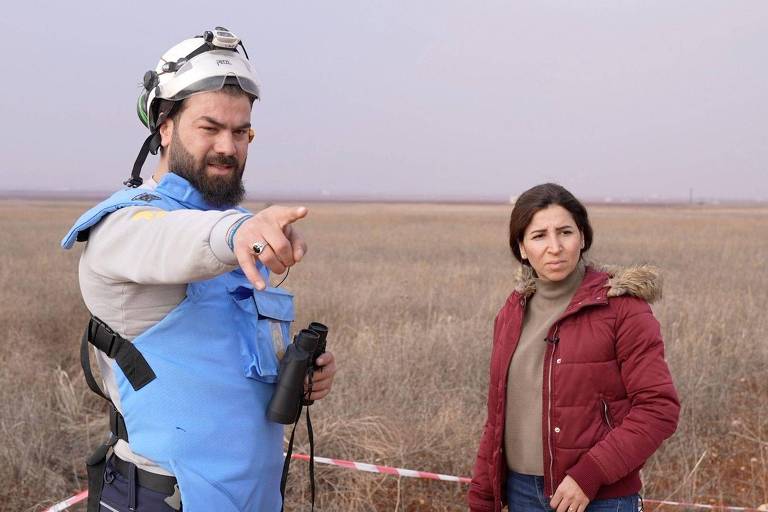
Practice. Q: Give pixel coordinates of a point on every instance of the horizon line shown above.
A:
(70, 195)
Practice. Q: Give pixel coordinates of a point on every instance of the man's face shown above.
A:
(209, 145)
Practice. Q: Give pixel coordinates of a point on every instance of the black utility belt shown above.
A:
(163, 484)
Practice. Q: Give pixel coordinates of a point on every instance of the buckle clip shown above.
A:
(103, 337)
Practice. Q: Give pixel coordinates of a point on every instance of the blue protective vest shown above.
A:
(204, 417)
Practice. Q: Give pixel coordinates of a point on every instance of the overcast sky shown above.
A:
(643, 99)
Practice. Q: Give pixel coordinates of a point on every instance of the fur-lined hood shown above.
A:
(642, 281)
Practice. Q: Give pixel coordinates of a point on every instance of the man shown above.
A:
(188, 332)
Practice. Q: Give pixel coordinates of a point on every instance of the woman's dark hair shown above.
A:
(538, 198)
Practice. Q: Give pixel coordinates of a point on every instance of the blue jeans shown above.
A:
(525, 493)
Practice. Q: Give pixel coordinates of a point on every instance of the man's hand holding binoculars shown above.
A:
(322, 379)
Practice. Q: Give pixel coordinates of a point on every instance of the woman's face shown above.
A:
(552, 243)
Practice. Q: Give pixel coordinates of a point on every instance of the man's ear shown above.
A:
(166, 132)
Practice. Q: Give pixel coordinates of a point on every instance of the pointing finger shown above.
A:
(289, 215)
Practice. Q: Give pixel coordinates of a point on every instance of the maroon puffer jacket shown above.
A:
(608, 400)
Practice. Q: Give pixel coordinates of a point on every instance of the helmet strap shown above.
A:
(151, 145)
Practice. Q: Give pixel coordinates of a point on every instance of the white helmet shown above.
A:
(202, 63)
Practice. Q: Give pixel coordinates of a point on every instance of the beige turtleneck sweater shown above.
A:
(522, 429)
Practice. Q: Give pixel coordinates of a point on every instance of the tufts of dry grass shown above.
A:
(410, 292)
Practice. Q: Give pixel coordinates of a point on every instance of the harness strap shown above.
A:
(85, 362)
(117, 424)
(139, 374)
(128, 358)
(95, 465)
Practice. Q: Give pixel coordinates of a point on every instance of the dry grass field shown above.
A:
(410, 292)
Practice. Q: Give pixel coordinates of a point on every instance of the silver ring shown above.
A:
(258, 247)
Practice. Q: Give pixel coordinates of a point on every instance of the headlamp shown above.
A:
(222, 38)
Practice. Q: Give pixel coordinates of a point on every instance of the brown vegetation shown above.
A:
(410, 292)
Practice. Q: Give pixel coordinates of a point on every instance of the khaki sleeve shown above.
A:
(148, 245)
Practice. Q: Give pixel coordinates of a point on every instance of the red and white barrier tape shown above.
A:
(63, 505)
(701, 505)
(373, 468)
(411, 473)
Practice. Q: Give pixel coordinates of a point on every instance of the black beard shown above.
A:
(218, 191)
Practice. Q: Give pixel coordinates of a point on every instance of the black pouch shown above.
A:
(95, 465)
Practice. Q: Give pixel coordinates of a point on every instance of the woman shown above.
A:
(580, 395)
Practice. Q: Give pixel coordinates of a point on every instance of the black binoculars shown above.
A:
(297, 363)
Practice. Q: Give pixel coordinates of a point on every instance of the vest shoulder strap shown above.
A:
(121, 199)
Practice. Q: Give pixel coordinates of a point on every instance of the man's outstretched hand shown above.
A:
(273, 225)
